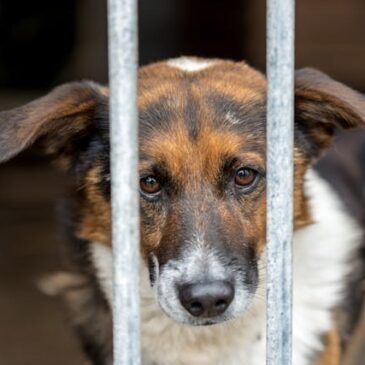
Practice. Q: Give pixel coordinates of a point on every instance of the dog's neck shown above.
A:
(322, 254)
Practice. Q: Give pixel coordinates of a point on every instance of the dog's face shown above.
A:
(202, 171)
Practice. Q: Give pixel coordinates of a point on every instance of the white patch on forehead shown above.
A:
(232, 119)
(190, 64)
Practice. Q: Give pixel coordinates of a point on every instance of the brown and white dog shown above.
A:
(202, 202)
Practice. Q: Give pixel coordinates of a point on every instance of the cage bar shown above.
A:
(122, 27)
(280, 115)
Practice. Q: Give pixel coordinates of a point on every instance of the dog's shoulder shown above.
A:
(343, 167)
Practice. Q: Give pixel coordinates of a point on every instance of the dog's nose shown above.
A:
(206, 299)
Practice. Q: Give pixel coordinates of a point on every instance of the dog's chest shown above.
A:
(167, 343)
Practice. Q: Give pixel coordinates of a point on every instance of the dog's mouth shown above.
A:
(209, 323)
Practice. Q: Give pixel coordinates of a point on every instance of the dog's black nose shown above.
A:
(206, 299)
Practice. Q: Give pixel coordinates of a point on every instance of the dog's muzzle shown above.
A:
(204, 287)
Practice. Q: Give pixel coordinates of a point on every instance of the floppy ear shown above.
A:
(63, 115)
(323, 105)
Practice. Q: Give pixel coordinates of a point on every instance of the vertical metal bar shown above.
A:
(122, 19)
(280, 115)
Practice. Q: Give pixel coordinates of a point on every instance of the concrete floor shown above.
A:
(33, 328)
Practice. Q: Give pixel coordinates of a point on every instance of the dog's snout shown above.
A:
(206, 300)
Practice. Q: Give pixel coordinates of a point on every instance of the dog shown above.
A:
(202, 162)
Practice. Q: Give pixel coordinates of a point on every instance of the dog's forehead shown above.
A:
(235, 79)
(200, 93)
(194, 111)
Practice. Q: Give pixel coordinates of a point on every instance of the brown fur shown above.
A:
(355, 351)
(95, 224)
(67, 111)
(331, 355)
(187, 137)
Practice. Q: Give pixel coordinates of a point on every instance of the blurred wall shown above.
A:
(330, 35)
(43, 43)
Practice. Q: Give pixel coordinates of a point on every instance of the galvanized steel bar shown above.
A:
(122, 20)
(280, 115)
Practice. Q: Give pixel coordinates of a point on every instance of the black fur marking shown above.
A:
(250, 116)
(191, 116)
(155, 117)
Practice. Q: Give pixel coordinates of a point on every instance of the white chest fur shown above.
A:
(322, 254)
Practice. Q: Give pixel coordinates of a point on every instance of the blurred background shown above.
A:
(44, 43)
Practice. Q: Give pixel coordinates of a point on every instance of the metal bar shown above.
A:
(280, 115)
(122, 24)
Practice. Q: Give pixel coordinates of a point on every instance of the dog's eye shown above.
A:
(245, 177)
(150, 185)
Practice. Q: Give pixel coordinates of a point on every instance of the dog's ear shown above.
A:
(61, 118)
(323, 105)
